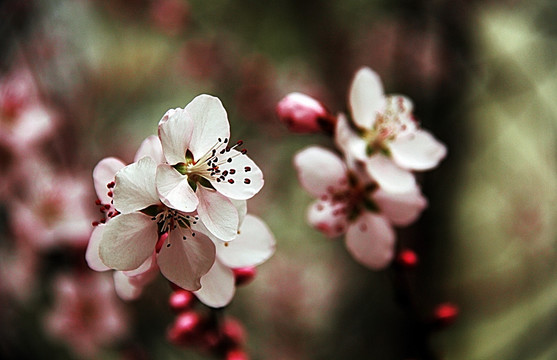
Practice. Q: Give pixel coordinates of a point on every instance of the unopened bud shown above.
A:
(237, 354)
(304, 114)
(244, 275)
(187, 329)
(408, 258)
(446, 314)
(181, 300)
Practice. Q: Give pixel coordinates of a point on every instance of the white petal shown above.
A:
(175, 132)
(328, 217)
(320, 171)
(128, 240)
(254, 245)
(217, 286)
(217, 213)
(151, 147)
(242, 208)
(370, 240)
(184, 262)
(401, 209)
(147, 265)
(347, 140)
(92, 254)
(244, 179)
(104, 173)
(388, 175)
(366, 97)
(135, 186)
(174, 189)
(417, 151)
(210, 123)
(124, 288)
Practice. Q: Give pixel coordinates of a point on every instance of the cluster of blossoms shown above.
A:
(47, 217)
(371, 187)
(180, 208)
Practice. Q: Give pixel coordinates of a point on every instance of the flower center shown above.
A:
(209, 167)
(173, 220)
(393, 121)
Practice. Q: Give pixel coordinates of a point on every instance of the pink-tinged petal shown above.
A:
(92, 254)
(401, 209)
(217, 286)
(124, 287)
(244, 179)
(254, 245)
(366, 97)
(210, 123)
(174, 190)
(151, 147)
(175, 133)
(389, 176)
(184, 262)
(417, 151)
(348, 141)
(103, 174)
(320, 171)
(128, 240)
(135, 186)
(370, 240)
(327, 217)
(148, 265)
(218, 213)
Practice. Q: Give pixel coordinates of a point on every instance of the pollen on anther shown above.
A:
(247, 169)
(244, 151)
(167, 245)
(95, 223)
(247, 181)
(98, 202)
(229, 160)
(231, 181)
(109, 194)
(232, 171)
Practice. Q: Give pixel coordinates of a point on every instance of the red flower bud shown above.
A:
(236, 354)
(304, 114)
(187, 329)
(244, 275)
(446, 314)
(408, 258)
(181, 300)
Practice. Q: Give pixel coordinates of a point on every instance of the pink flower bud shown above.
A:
(187, 329)
(236, 354)
(304, 114)
(244, 275)
(181, 300)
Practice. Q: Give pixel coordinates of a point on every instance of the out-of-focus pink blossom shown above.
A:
(23, 117)
(304, 114)
(170, 16)
(18, 272)
(86, 314)
(387, 139)
(53, 211)
(350, 203)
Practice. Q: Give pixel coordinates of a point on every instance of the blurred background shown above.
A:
(81, 80)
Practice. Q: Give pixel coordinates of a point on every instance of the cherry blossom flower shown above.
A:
(22, 116)
(52, 211)
(385, 137)
(131, 237)
(253, 245)
(202, 171)
(86, 315)
(350, 203)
